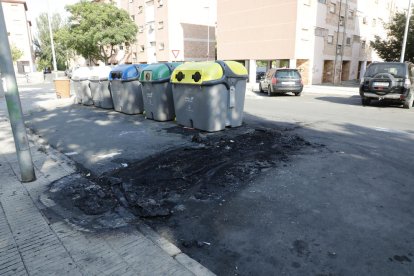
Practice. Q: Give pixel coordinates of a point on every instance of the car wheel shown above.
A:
(269, 91)
(298, 94)
(365, 101)
(408, 103)
(260, 88)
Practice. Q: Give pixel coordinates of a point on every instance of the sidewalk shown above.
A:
(34, 243)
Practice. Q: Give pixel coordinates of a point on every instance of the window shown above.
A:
(338, 49)
(131, 1)
(140, 9)
(140, 29)
(332, 8)
(365, 20)
(348, 41)
(161, 46)
(320, 32)
(351, 14)
(153, 44)
(374, 22)
(133, 17)
(160, 25)
(363, 44)
(121, 47)
(341, 20)
(330, 39)
(141, 48)
(160, 3)
(322, 1)
(306, 2)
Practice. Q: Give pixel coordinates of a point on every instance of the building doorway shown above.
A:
(346, 66)
(327, 76)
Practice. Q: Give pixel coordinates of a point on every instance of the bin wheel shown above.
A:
(269, 91)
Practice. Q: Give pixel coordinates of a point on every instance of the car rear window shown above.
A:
(395, 69)
(287, 74)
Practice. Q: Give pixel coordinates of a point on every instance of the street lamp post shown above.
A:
(208, 31)
(52, 44)
(407, 24)
(14, 106)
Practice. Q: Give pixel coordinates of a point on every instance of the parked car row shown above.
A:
(386, 81)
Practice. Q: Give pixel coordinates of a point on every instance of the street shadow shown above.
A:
(356, 100)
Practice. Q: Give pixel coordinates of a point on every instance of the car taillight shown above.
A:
(407, 83)
(274, 80)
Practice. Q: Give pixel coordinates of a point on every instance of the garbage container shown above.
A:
(209, 95)
(157, 91)
(99, 85)
(62, 88)
(126, 89)
(81, 85)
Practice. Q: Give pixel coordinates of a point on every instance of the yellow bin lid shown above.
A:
(197, 72)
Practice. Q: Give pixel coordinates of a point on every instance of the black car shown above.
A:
(281, 81)
(390, 81)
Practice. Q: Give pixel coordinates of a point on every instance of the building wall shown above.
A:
(304, 31)
(261, 30)
(167, 25)
(19, 32)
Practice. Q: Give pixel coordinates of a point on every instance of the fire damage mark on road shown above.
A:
(214, 166)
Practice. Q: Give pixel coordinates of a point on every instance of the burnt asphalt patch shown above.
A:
(215, 165)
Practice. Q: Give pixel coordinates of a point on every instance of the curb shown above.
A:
(168, 247)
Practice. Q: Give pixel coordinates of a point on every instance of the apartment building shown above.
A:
(169, 30)
(19, 32)
(328, 40)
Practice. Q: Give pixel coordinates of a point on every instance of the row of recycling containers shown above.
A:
(204, 95)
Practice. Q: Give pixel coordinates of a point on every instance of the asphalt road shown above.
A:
(344, 209)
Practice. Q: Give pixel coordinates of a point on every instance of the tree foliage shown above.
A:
(16, 53)
(95, 28)
(43, 45)
(389, 48)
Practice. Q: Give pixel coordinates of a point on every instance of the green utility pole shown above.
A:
(14, 106)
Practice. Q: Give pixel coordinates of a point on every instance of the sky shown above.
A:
(36, 7)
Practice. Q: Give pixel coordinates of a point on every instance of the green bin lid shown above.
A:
(158, 72)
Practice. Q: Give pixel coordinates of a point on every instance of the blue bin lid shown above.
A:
(126, 72)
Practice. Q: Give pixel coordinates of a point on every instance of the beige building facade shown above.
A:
(170, 30)
(328, 40)
(19, 33)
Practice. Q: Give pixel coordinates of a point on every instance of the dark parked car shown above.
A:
(281, 81)
(390, 81)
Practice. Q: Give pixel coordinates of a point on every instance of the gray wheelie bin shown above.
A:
(126, 89)
(99, 84)
(209, 95)
(157, 91)
(80, 80)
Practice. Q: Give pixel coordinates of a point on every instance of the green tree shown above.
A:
(96, 28)
(389, 48)
(42, 42)
(16, 53)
